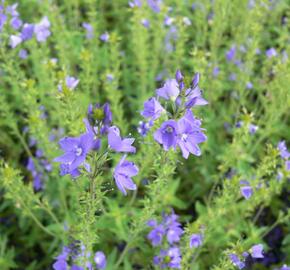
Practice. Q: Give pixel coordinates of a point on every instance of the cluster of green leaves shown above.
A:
(35, 225)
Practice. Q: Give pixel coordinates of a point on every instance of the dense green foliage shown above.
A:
(204, 191)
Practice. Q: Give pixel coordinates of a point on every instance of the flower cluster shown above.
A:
(234, 56)
(98, 126)
(285, 154)
(38, 166)
(71, 254)
(22, 31)
(251, 127)
(182, 129)
(256, 251)
(168, 233)
(170, 229)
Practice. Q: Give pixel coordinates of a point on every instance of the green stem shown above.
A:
(124, 252)
(258, 214)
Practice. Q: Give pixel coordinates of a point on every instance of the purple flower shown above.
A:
(3, 19)
(193, 94)
(194, 97)
(169, 91)
(144, 127)
(110, 77)
(246, 192)
(123, 173)
(41, 30)
(100, 260)
(253, 129)
(285, 267)
(195, 240)
(239, 124)
(60, 265)
(71, 82)
(104, 37)
(249, 85)
(12, 10)
(279, 176)
(232, 76)
(170, 38)
(169, 227)
(23, 54)
(171, 220)
(178, 76)
(89, 29)
(236, 261)
(27, 31)
(152, 223)
(173, 234)
(145, 23)
(76, 267)
(189, 135)
(154, 5)
(258, 51)
(65, 169)
(16, 23)
(37, 176)
(64, 253)
(168, 21)
(169, 258)
(96, 144)
(117, 143)
(271, 53)
(257, 251)
(283, 150)
(152, 109)
(101, 116)
(238, 63)
(230, 54)
(75, 151)
(215, 71)
(14, 41)
(167, 134)
(155, 236)
(135, 3)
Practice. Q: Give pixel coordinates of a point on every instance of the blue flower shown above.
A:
(195, 240)
(152, 109)
(257, 251)
(189, 135)
(169, 91)
(100, 260)
(75, 152)
(89, 29)
(155, 236)
(41, 30)
(168, 258)
(236, 261)
(14, 41)
(167, 134)
(123, 173)
(117, 143)
(27, 31)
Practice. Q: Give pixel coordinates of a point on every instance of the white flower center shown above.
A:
(184, 137)
(169, 129)
(78, 151)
